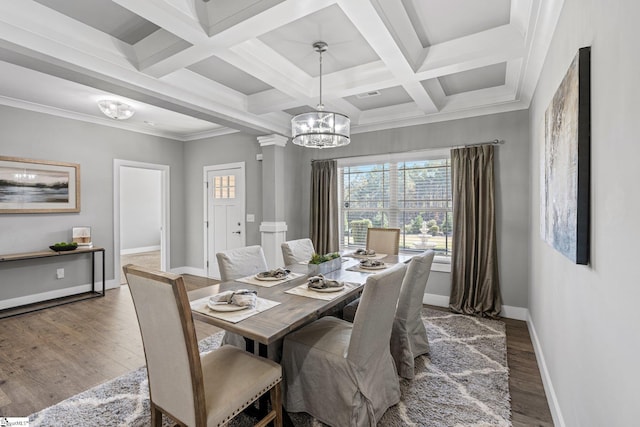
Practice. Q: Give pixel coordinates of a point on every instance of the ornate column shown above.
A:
(273, 228)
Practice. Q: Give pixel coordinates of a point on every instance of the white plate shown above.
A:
(226, 307)
(326, 290)
(271, 279)
(377, 267)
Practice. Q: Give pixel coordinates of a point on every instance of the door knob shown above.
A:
(235, 232)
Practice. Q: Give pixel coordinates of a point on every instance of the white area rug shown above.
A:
(463, 382)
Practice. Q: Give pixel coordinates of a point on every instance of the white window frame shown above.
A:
(441, 263)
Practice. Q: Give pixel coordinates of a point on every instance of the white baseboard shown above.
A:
(437, 300)
(44, 296)
(552, 398)
(517, 313)
(190, 270)
(139, 250)
(510, 312)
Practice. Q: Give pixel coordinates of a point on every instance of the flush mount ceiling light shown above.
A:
(320, 129)
(116, 109)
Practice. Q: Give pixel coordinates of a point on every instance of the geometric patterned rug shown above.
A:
(464, 381)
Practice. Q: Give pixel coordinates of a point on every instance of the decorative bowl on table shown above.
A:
(63, 246)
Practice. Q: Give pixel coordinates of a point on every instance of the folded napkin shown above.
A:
(364, 252)
(278, 273)
(241, 298)
(320, 282)
(371, 263)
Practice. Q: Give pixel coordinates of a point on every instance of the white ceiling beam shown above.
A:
(368, 22)
(389, 114)
(195, 83)
(395, 16)
(38, 28)
(478, 50)
(204, 47)
(260, 60)
(520, 14)
(165, 15)
(478, 98)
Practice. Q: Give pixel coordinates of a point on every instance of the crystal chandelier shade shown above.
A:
(115, 109)
(320, 129)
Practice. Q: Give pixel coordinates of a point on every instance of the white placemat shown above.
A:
(251, 280)
(304, 291)
(376, 256)
(368, 270)
(200, 305)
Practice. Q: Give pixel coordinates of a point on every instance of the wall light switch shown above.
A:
(60, 273)
(251, 217)
(258, 157)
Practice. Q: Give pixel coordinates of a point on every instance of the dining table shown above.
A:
(290, 304)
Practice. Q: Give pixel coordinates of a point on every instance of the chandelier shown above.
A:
(320, 129)
(115, 109)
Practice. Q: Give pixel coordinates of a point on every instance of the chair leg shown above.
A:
(275, 394)
(156, 416)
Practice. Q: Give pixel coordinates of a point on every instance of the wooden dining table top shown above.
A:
(294, 311)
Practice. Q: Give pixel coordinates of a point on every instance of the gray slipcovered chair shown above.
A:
(295, 251)
(384, 240)
(193, 389)
(342, 373)
(241, 262)
(408, 336)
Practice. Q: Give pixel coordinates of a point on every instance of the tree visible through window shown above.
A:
(414, 196)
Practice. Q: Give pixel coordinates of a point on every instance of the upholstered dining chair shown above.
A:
(384, 240)
(193, 389)
(237, 263)
(295, 251)
(342, 373)
(241, 262)
(408, 335)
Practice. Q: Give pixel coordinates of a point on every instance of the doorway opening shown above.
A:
(141, 216)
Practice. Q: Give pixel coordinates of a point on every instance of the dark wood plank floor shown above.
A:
(50, 355)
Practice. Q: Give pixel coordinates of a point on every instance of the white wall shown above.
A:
(94, 147)
(140, 208)
(586, 318)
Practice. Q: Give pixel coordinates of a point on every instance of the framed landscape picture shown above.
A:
(38, 186)
(565, 186)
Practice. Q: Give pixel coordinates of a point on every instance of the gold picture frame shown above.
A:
(38, 186)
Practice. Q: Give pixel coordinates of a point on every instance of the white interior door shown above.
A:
(225, 224)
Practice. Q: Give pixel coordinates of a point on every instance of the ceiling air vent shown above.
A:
(368, 94)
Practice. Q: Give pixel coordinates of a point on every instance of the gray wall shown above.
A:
(237, 147)
(140, 208)
(586, 317)
(94, 147)
(512, 185)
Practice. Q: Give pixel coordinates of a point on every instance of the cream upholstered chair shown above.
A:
(193, 389)
(237, 263)
(342, 373)
(408, 336)
(384, 240)
(295, 251)
(241, 262)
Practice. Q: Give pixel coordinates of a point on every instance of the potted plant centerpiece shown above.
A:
(322, 264)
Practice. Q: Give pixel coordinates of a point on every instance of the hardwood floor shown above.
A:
(50, 355)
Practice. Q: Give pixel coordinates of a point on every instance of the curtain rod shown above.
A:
(475, 144)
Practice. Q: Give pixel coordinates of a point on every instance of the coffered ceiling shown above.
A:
(198, 68)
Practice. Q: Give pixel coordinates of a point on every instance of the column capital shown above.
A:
(273, 139)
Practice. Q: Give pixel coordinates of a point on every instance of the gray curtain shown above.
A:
(475, 287)
(324, 206)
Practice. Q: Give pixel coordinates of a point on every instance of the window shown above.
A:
(410, 191)
(224, 187)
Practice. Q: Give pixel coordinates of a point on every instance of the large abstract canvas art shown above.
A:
(565, 186)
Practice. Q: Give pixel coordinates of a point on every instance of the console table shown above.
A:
(63, 300)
